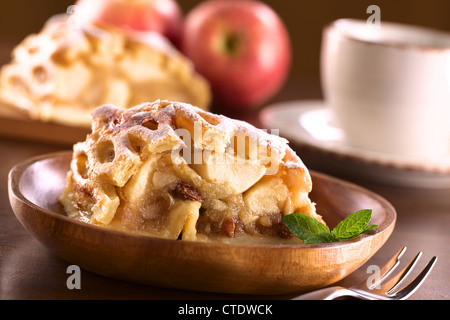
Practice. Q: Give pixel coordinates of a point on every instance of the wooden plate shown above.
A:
(35, 185)
(17, 125)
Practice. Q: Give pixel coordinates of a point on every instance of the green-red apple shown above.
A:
(162, 16)
(242, 47)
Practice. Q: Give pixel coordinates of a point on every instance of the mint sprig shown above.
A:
(311, 231)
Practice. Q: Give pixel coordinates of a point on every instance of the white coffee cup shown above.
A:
(388, 87)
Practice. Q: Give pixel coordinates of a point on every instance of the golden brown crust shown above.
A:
(139, 171)
(63, 73)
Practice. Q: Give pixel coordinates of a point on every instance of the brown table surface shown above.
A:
(29, 271)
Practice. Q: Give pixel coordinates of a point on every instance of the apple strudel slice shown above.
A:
(62, 73)
(172, 170)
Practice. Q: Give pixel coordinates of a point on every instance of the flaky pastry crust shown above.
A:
(169, 169)
(62, 73)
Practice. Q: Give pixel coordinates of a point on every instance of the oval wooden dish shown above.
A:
(36, 184)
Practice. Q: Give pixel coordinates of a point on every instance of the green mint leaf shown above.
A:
(353, 225)
(322, 237)
(305, 227)
(307, 224)
(311, 231)
(370, 227)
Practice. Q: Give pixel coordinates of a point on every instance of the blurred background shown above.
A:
(304, 19)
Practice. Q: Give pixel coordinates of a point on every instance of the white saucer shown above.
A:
(308, 123)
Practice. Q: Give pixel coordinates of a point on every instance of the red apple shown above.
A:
(242, 47)
(162, 16)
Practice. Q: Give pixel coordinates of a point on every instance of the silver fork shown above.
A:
(380, 290)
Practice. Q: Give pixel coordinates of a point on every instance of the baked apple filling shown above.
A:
(171, 170)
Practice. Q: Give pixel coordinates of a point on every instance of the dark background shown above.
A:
(304, 20)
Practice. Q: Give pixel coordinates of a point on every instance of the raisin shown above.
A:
(186, 191)
(283, 231)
